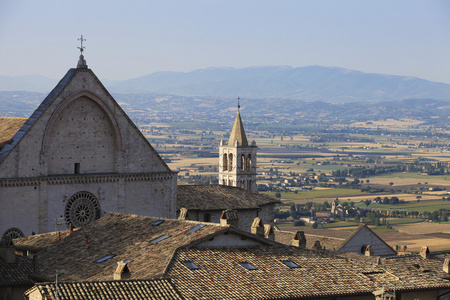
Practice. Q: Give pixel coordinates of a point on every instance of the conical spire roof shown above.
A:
(238, 132)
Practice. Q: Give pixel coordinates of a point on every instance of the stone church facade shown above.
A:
(237, 159)
(76, 158)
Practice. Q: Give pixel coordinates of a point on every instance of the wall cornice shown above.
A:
(85, 179)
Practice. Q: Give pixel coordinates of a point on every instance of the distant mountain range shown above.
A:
(312, 83)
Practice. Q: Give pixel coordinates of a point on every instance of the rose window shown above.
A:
(82, 209)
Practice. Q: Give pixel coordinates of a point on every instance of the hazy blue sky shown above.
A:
(127, 39)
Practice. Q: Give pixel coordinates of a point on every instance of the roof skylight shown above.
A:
(290, 264)
(161, 238)
(248, 265)
(199, 226)
(156, 223)
(190, 265)
(105, 258)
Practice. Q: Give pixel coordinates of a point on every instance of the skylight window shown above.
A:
(194, 229)
(190, 265)
(156, 223)
(290, 264)
(104, 258)
(161, 238)
(248, 265)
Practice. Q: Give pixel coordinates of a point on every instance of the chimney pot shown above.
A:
(425, 252)
(229, 217)
(257, 227)
(299, 240)
(183, 214)
(446, 266)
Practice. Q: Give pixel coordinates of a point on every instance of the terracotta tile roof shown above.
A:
(39, 242)
(16, 274)
(109, 290)
(8, 128)
(320, 274)
(125, 237)
(219, 197)
(220, 275)
(238, 132)
(329, 243)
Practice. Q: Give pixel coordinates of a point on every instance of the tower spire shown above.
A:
(81, 61)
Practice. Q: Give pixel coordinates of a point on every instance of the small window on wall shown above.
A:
(77, 168)
(207, 217)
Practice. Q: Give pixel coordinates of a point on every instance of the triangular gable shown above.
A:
(362, 237)
(131, 145)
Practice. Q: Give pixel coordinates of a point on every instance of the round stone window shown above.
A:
(13, 233)
(82, 209)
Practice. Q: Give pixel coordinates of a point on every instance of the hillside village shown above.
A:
(89, 209)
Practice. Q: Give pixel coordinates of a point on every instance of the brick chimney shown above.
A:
(183, 214)
(229, 217)
(7, 250)
(425, 252)
(257, 227)
(369, 251)
(121, 272)
(299, 240)
(268, 232)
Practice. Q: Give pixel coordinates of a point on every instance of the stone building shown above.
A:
(237, 159)
(207, 202)
(120, 255)
(77, 157)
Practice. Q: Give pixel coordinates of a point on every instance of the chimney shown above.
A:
(299, 240)
(446, 266)
(257, 227)
(70, 228)
(378, 261)
(268, 232)
(369, 251)
(425, 252)
(183, 214)
(121, 272)
(317, 246)
(7, 250)
(229, 217)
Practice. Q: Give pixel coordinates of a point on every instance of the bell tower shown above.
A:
(237, 159)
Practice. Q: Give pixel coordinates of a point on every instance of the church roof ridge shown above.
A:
(238, 132)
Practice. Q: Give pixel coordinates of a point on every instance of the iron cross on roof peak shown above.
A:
(239, 106)
(82, 47)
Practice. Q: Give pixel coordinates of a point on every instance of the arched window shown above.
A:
(242, 162)
(242, 184)
(249, 163)
(225, 162)
(230, 161)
